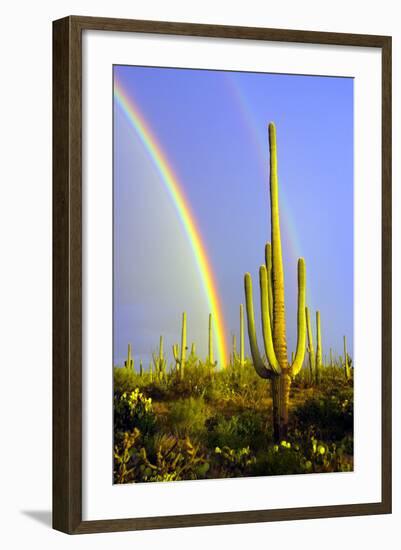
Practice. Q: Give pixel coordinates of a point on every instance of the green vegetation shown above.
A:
(217, 424)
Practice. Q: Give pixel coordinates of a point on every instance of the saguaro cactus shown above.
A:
(318, 349)
(311, 346)
(129, 362)
(347, 369)
(241, 336)
(180, 355)
(235, 357)
(277, 368)
(193, 351)
(210, 355)
(140, 368)
(159, 361)
(239, 359)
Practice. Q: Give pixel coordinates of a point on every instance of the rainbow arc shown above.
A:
(176, 192)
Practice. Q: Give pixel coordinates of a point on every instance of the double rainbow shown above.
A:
(172, 184)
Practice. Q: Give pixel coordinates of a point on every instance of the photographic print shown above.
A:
(233, 259)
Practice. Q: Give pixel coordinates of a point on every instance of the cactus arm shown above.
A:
(241, 336)
(279, 327)
(260, 367)
(266, 326)
(268, 261)
(301, 325)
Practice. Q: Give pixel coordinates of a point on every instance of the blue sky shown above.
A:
(212, 126)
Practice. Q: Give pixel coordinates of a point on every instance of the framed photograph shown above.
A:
(222, 274)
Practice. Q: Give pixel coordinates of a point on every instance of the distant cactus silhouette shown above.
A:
(241, 336)
(210, 355)
(277, 368)
(347, 369)
(235, 357)
(180, 355)
(159, 361)
(239, 359)
(315, 361)
(319, 352)
(129, 363)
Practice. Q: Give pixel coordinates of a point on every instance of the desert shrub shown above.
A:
(124, 464)
(282, 459)
(233, 462)
(172, 459)
(188, 416)
(133, 410)
(239, 388)
(303, 457)
(238, 431)
(330, 417)
(125, 380)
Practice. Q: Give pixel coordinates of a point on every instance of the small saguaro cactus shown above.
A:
(241, 336)
(239, 359)
(180, 355)
(271, 279)
(235, 357)
(140, 368)
(311, 346)
(210, 355)
(159, 361)
(129, 362)
(347, 370)
(319, 352)
(150, 372)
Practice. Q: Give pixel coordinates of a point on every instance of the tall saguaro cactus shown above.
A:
(271, 280)
(180, 355)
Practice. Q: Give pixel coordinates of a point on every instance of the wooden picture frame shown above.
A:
(67, 273)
